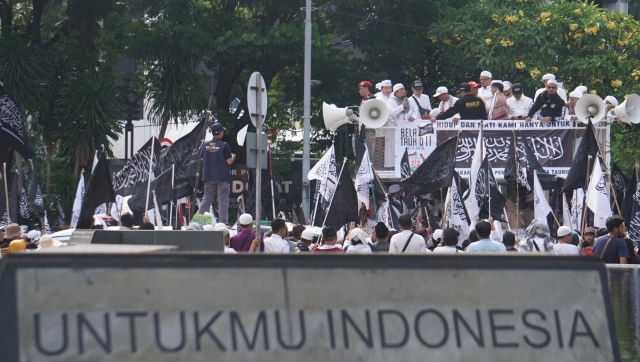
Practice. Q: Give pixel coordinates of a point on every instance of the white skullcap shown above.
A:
(552, 82)
(496, 82)
(397, 87)
(384, 83)
(486, 73)
(441, 90)
(548, 76)
(507, 85)
(575, 94)
(245, 219)
(581, 89)
(611, 99)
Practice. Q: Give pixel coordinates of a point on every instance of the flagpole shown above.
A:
(488, 186)
(273, 198)
(517, 164)
(173, 175)
(326, 214)
(6, 190)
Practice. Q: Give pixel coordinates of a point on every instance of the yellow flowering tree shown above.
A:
(520, 40)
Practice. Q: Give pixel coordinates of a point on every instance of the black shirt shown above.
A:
(550, 105)
(469, 107)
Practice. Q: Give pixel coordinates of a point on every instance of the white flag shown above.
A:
(383, 214)
(471, 202)
(363, 179)
(577, 206)
(455, 212)
(325, 171)
(567, 220)
(597, 197)
(542, 208)
(77, 202)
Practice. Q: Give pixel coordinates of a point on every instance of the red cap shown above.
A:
(365, 83)
(473, 84)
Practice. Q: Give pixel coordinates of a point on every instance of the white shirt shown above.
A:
(519, 107)
(446, 250)
(416, 245)
(359, 249)
(424, 100)
(486, 95)
(399, 115)
(276, 245)
(565, 249)
(444, 105)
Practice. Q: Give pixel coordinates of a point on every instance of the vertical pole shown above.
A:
(258, 89)
(306, 160)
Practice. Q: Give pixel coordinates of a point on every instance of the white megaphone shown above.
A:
(629, 110)
(590, 106)
(335, 117)
(374, 113)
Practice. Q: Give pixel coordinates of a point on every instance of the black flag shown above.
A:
(12, 128)
(435, 172)
(493, 197)
(185, 155)
(344, 207)
(164, 193)
(134, 175)
(405, 167)
(515, 170)
(583, 161)
(99, 191)
(359, 146)
(35, 193)
(629, 192)
(620, 184)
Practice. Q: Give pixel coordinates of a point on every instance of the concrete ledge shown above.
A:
(203, 307)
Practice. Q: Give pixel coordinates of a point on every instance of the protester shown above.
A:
(565, 242)
(243, 239)
(216, 159)
(485, 245)
(407, 241)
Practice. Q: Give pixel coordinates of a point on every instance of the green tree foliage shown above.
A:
(520, 41)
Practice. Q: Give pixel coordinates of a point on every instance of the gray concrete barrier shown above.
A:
(204, 307)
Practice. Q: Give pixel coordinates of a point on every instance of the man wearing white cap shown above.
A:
(243, 239)
(498, 107)
(484, 91)
(385, 89)
(545, 78)
(384, 139)
(549, 104)
(565, 245)
(446, 100)
(400, 111)
(226, 238)
(611, 102)
(570, 114)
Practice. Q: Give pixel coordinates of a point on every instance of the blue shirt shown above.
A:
(214, 161)
(616, 249)
(486, 246)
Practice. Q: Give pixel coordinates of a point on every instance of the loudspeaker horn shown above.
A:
(590, 106)
(335, 117)
(374, 113)
(629, 110)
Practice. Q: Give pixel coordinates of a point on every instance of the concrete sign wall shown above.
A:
(291, 308)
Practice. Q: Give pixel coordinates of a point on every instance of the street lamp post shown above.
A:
(306, 160)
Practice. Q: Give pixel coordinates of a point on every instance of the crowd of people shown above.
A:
(487, 99)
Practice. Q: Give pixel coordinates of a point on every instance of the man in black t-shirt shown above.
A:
(468, 106)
